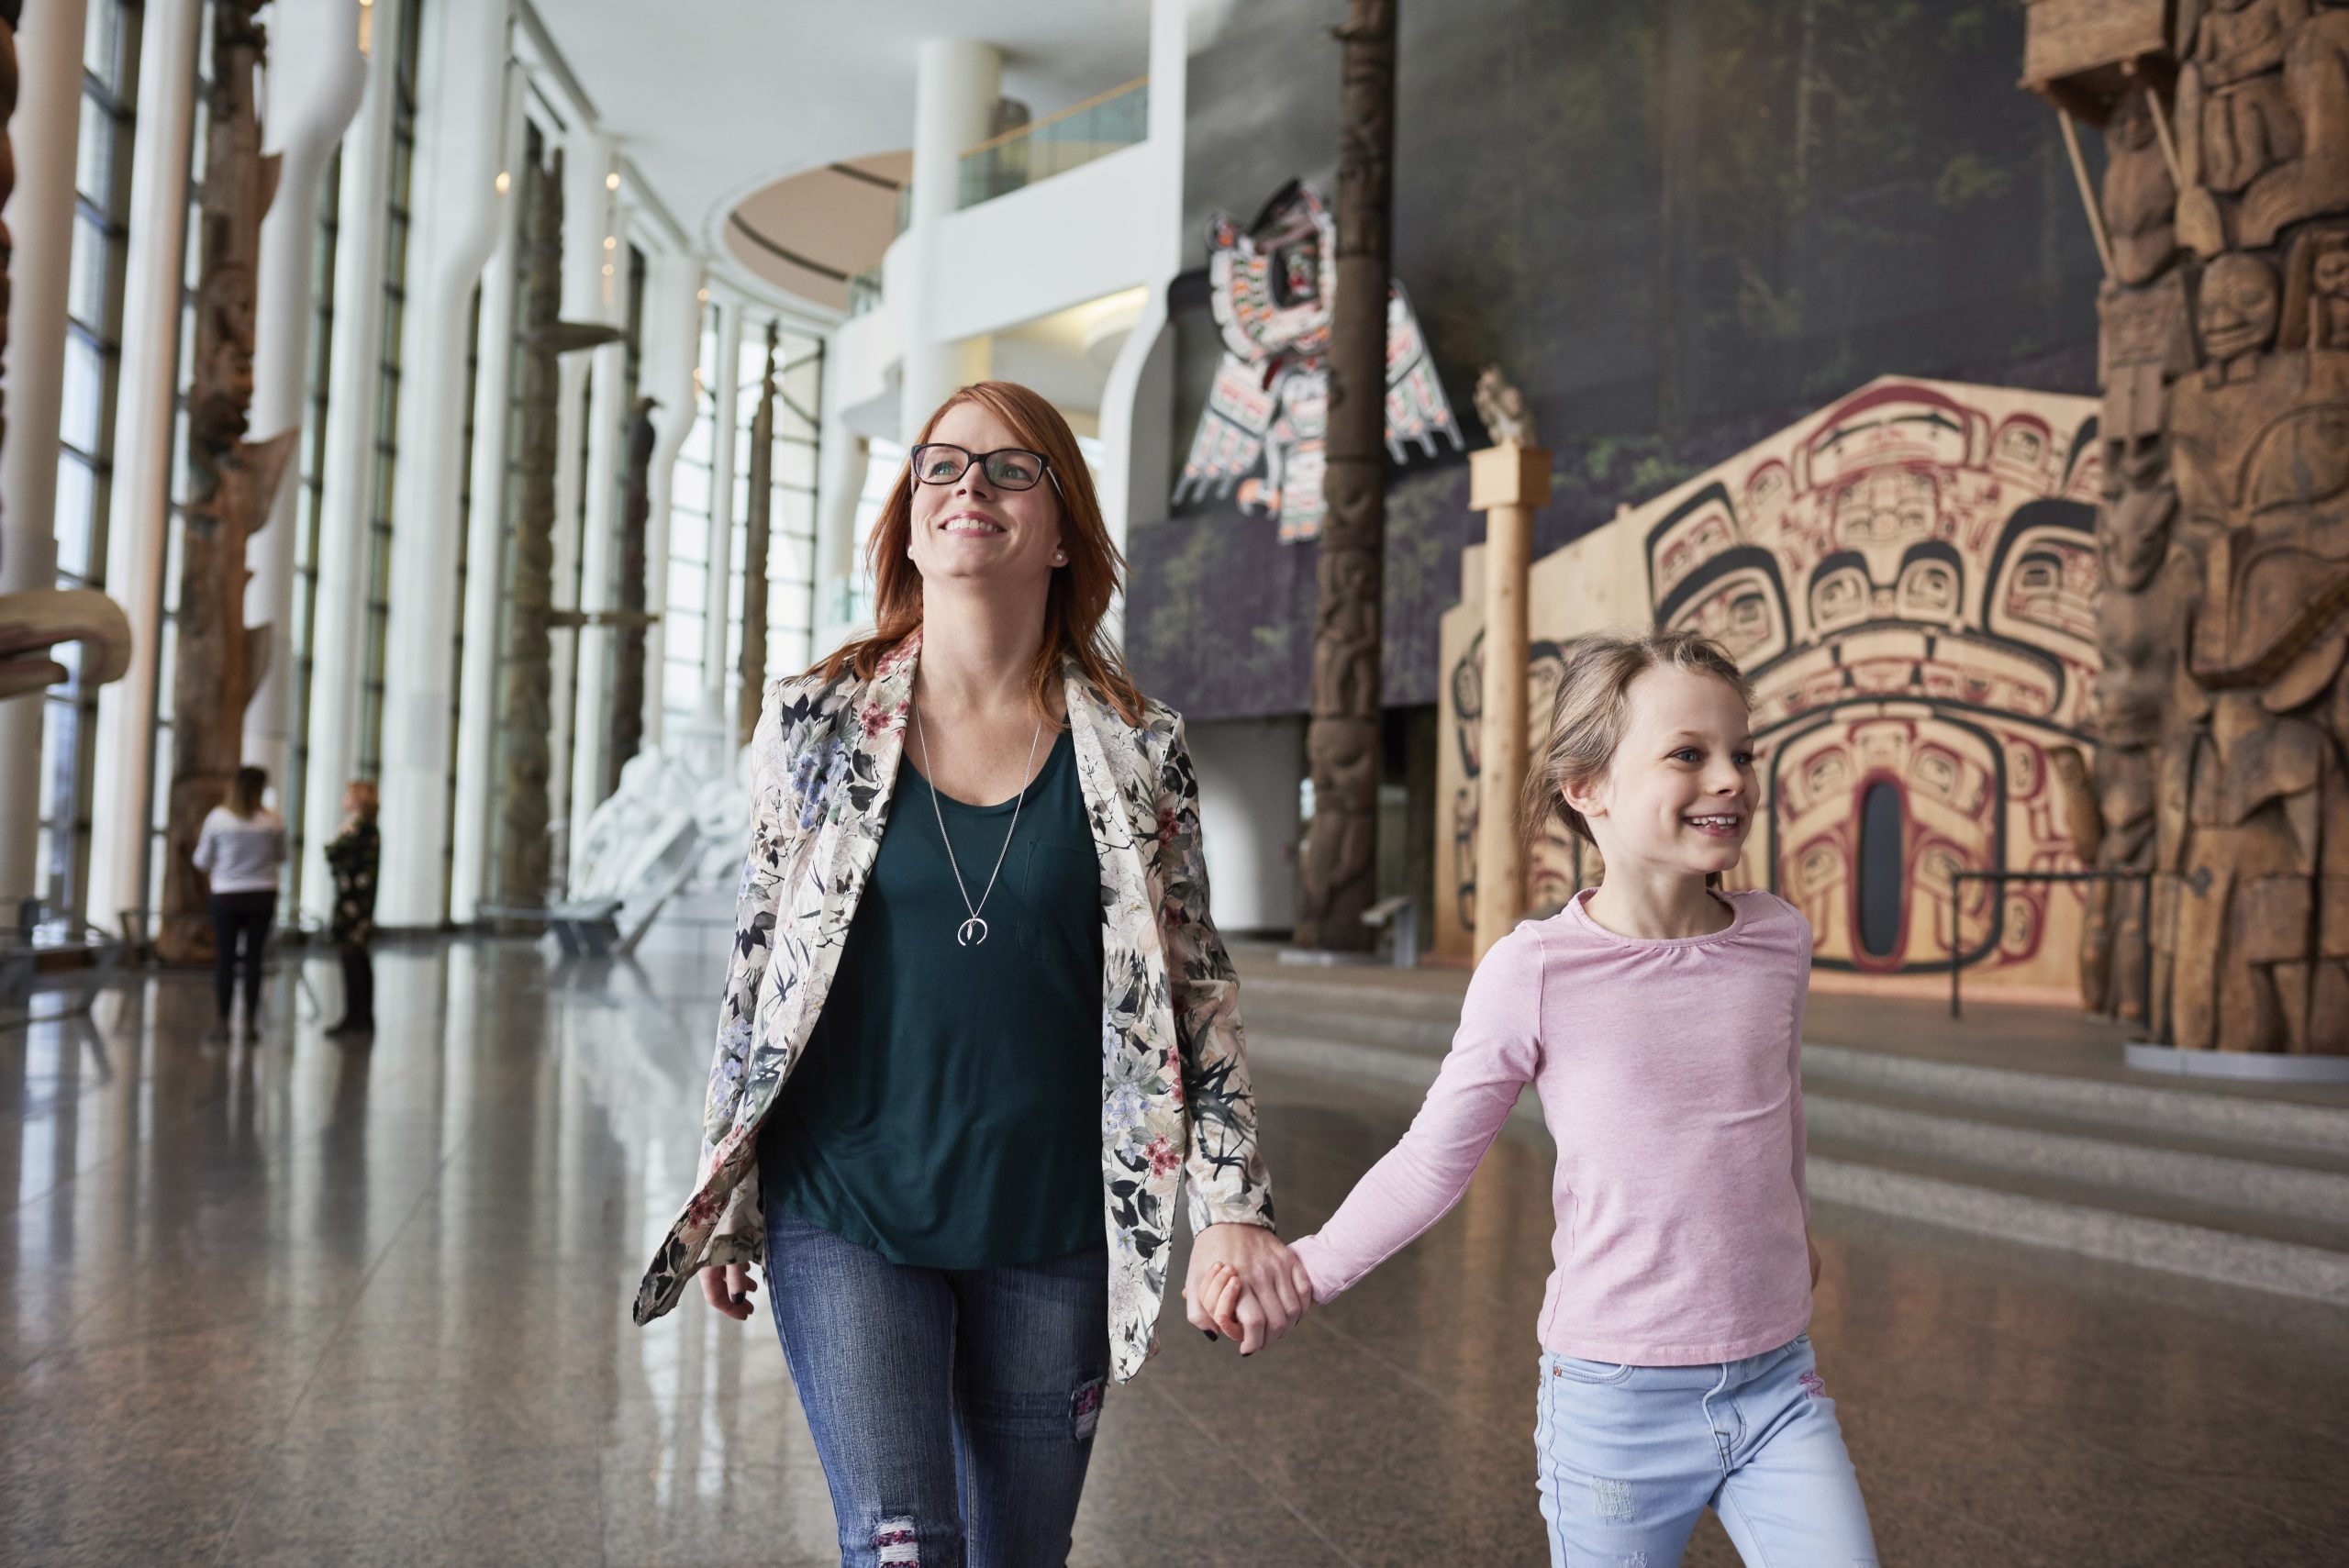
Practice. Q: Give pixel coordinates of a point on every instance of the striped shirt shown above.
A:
(241, 854)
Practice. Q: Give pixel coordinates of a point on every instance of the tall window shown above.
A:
(159, 783)
(387, 392)
(464, 524)
(305, 528)
(85, 460)
(686, 613)
(791, 518)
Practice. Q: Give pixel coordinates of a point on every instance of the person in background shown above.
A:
(351, 856)
(240, 850)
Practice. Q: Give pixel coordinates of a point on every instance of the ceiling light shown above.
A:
(611, 242)
(505, 182)
(702, 294)
(612, 180)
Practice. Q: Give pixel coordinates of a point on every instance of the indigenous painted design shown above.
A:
(1273, 287)
(1909, 578)
(1177, 1107)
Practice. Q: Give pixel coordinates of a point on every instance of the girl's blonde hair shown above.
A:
(1592, 710)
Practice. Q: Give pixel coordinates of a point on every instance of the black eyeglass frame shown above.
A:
(913, 465)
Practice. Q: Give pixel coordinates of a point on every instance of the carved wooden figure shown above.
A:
(2224, 616)
(217, 660)
(1339, 872)
(757, 539)
(627, 664)
(526, 702)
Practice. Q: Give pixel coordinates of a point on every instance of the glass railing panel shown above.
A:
(1076, 137)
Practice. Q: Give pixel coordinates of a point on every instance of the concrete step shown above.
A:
(2300, 1190)
(2162, 1107)
(2242, 1191)
(2095, 1222)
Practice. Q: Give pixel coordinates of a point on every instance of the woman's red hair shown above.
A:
(1080, 592)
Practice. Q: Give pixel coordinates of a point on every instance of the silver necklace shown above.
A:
(972, 931)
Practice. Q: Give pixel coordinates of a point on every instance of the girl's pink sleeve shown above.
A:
(1493, 1057)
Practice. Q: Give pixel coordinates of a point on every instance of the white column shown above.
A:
(592, 231)
(347, 489)
(672, 345)
(39, 215)
(956, 83)
(585, 210)
(719, 589)
(840, 485)
(460, 108)
(314, 82)
(485, 547)
(145, 389)
(1138, 398)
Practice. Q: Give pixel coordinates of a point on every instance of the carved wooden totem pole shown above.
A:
(526, 704)
(1340, 873)
(757, 539)
(628, 665)
(219, 661)
(2224, 615)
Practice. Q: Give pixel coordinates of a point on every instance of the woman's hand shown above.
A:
(727, 1287)
(1273, 1290)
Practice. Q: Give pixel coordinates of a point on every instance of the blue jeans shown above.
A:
(954, 1410)
(1631, 1455)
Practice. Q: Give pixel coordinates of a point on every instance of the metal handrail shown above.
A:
(2144, 924)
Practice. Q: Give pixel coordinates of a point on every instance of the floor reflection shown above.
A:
(300, 1302)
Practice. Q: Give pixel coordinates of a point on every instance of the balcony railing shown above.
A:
(1094, 128)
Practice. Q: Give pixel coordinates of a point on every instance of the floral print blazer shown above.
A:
(1175, 1103)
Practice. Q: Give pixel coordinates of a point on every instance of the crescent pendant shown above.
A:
(971, 932)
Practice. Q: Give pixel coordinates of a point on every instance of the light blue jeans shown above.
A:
(1631, 1455)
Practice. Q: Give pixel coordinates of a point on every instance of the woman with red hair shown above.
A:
(978, 1035)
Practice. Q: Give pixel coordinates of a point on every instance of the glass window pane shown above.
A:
(85, 388)
(93, 158)
(85, 290)
(76, 500)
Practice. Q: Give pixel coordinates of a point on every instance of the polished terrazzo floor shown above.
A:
(295, 1302)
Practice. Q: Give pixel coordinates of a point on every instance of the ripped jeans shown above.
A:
(1631, 1455)
(954, 1410)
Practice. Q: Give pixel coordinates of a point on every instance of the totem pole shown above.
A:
(219, 661)
(526, 705)
(2224, 220)
(1339, 873)
(757, 536)
(628, 666)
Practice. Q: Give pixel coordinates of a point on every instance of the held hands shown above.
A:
(1246, 1284)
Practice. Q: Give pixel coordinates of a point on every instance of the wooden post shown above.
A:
(1340, 873)
(757, 537)
(217, 661)
(1505, 483)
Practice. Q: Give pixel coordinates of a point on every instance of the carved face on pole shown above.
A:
(2130, 128)
(2237, 313)
(2330, 274)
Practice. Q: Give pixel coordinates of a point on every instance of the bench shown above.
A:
(585, 928)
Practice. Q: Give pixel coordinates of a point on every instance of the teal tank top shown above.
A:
(947, 1112)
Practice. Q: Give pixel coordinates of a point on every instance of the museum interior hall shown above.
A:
(1681, 668)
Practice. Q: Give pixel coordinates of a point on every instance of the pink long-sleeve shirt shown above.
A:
(1668, 1072)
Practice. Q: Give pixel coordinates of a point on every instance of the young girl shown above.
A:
(1661, 1022)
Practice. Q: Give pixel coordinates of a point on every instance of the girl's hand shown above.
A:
(1275, 1292)
(1223, 1292)
(728, 1289)
(1813, 1246)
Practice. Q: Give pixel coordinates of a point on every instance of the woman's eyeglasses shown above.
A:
(936, 463)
